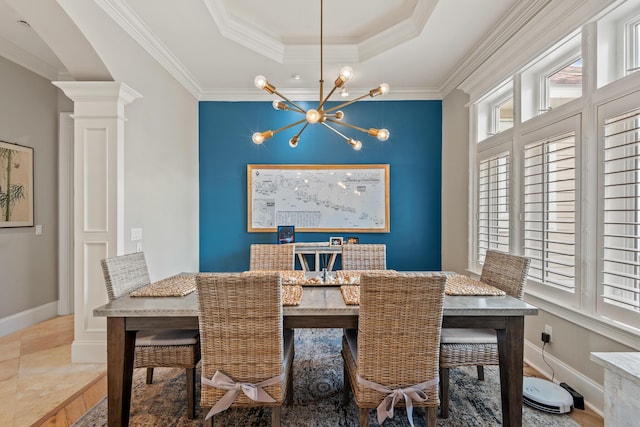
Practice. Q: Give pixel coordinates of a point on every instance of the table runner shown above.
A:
(291, 294)
(175, 286)
(456, 284)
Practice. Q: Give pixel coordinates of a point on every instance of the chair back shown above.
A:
(241, 332)
(124, 273)
(364, 257)
(272, 257)
(399, 332)
(505, 271)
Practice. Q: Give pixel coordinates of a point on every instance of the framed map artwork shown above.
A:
(320, 198)
(16, 185)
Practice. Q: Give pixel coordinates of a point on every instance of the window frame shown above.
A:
(534, 135)
(610, 108)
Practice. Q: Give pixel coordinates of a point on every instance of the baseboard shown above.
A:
(593, 393)
(89, 352)
(15, 322)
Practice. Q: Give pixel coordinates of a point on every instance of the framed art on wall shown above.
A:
(318, 198)
(16, 185)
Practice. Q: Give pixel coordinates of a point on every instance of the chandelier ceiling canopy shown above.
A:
(319, 115)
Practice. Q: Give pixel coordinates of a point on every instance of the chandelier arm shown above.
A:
(289, 126)
(302, 130)
(344, 104)
(348, 125)
(327, 97)
(335, 130)
(284, 98)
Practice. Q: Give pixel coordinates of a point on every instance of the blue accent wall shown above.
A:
(414, 153)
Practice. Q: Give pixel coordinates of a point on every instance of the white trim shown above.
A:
(65, 214)
(618, 332)
(592, 392)
(27, 318)
(89, 351)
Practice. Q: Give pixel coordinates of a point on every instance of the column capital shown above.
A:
(98, 99)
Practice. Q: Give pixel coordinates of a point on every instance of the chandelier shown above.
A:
(325, 117)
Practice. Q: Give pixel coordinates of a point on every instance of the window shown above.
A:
(562, 85)
(619, 291)
(495, 111)
(553, 79)
(493, 206)
(632, 42)
(550, 210)
(503, 115)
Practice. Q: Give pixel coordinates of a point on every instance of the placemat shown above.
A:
(458, 284)
(350, 294)
(175, 286)
(289, 277)
(291, 294)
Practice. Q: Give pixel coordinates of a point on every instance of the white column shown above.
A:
(98, 212)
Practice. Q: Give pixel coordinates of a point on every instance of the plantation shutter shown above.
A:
(493, 206)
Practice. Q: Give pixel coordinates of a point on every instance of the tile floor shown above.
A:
(36, 373)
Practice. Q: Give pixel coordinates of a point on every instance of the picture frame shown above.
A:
(286, 234)
(335, 241)
(352, 240)
(318, 198)
(16, 185)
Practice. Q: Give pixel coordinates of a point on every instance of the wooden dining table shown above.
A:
(320, 307)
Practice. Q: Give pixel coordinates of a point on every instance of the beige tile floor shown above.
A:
(36, 373)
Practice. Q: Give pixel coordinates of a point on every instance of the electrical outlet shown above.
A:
(139, 247)
(549, 331)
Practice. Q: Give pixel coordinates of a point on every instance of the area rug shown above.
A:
(317, 396)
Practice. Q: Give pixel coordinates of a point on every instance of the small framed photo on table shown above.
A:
(335, 241)
(286, 234)
(353, 240)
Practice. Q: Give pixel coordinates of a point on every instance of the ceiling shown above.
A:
(215, 48)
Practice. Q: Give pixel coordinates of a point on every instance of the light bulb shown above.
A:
(355, 144)
(339, 115)
(279, 105)
(260, 82)
(293, 142)
(383, 134)
(346, 73)
(384, 89)
(257, 138)
(313, 116)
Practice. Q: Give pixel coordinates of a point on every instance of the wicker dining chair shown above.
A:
(479, 347)
(397, 344)
(243, 341)
(364, 257)
(272, 257)
(171, 348)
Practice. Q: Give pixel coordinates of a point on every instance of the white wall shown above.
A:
(161, 147)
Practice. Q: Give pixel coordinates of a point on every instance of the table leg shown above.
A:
(120, 352)
(511, 354)
(317, 259)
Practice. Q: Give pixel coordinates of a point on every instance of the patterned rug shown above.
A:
(317, 396)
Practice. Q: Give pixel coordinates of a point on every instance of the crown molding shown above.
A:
(234, 29)
(555, 21)
(131, 23)
(269, 45)
(511, 23)
(409, 94)
(399, 33)
(32, 63)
